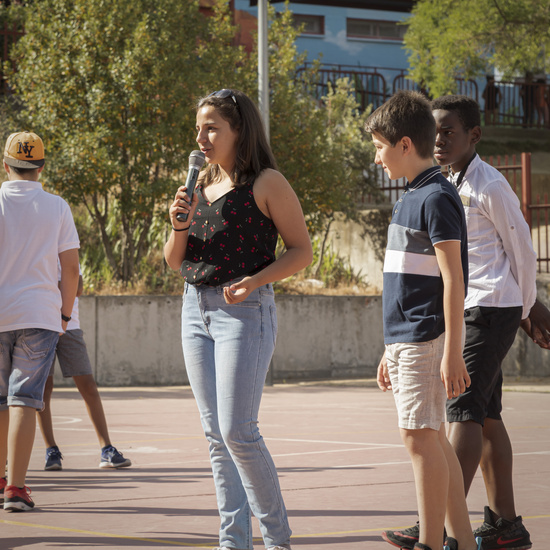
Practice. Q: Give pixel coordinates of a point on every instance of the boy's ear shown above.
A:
(406, 145)
(475, 134)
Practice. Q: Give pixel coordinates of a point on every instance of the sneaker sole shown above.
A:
(384, 536)
(524, 547)
(53, 467)
(126, 464)
(17, 507)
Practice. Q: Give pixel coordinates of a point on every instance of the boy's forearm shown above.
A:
(450, 263)
(453, 312)
(68, 285)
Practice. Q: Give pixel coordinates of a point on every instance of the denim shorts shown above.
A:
(415, 375)
(72, 354)
(490, 332)
(26, 356)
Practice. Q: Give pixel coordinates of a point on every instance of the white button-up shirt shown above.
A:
(502, 263)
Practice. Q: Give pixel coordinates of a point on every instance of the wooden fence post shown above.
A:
(526, 187)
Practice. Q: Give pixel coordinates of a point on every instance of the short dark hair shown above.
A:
(465, 107)
(405, 114)
(253, 150)
(22, 171)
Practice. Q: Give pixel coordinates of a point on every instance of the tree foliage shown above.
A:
(468, 38)
(319, 142)
(110, 86)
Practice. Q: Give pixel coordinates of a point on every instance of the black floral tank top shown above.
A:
(228, 238)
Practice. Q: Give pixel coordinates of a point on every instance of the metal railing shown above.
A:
(516, 103)
(517, 171)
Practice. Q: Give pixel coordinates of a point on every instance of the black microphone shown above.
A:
(196, 160)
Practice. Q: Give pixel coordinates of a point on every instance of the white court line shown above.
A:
(377, 445)
(128, 432)
(366, 465)
(67, 419)
(391, 463)
(533, 453)
(320, 452)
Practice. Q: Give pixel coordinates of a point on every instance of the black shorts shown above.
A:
(490, 332)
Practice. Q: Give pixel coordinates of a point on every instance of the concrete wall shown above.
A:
(135, 340)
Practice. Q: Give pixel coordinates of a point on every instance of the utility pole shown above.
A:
(263, 70)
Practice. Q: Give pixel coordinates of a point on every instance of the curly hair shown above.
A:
(465, 107)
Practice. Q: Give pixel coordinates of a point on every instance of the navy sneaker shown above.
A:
(497, 533)
(111, 458)
(53, 458)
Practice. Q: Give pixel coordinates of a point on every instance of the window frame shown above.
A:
(375, 23)
(320, 18)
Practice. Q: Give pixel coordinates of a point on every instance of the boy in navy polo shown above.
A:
(425, 273)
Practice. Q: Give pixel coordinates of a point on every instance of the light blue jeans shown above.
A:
(227, 351)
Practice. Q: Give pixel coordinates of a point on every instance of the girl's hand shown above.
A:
(238, 292)
(182, 205)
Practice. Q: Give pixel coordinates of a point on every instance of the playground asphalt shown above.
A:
(344, 472)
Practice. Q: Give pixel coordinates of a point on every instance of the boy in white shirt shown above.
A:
(36, 231)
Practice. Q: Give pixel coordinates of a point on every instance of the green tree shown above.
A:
(110, 87)
(318, 142)
(112, 90)
(467, 38)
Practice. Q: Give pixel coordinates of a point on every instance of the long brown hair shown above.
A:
(253, 151)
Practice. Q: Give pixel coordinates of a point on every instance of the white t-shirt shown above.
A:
(501, 260)
(35, 227)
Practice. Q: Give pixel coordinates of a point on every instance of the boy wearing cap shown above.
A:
(36, 229)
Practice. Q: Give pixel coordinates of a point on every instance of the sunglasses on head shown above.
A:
(223, 94)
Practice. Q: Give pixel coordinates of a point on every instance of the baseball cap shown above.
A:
(24, 150)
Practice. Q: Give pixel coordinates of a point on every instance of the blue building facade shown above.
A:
(357, 33)
(358, 39)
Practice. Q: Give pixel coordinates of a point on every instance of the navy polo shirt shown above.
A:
(429, 212)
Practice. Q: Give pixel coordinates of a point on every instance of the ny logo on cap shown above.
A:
(25, 148)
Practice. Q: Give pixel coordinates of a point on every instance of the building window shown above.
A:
(381, 30)
(312, 24)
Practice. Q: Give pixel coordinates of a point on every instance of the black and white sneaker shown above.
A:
(497, 533)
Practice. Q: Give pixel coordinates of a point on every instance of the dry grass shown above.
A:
(312, 287)
(171, 284)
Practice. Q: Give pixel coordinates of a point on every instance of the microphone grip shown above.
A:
(192, 177)
(181, 216)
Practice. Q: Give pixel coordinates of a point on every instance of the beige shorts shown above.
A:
(419, 393)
